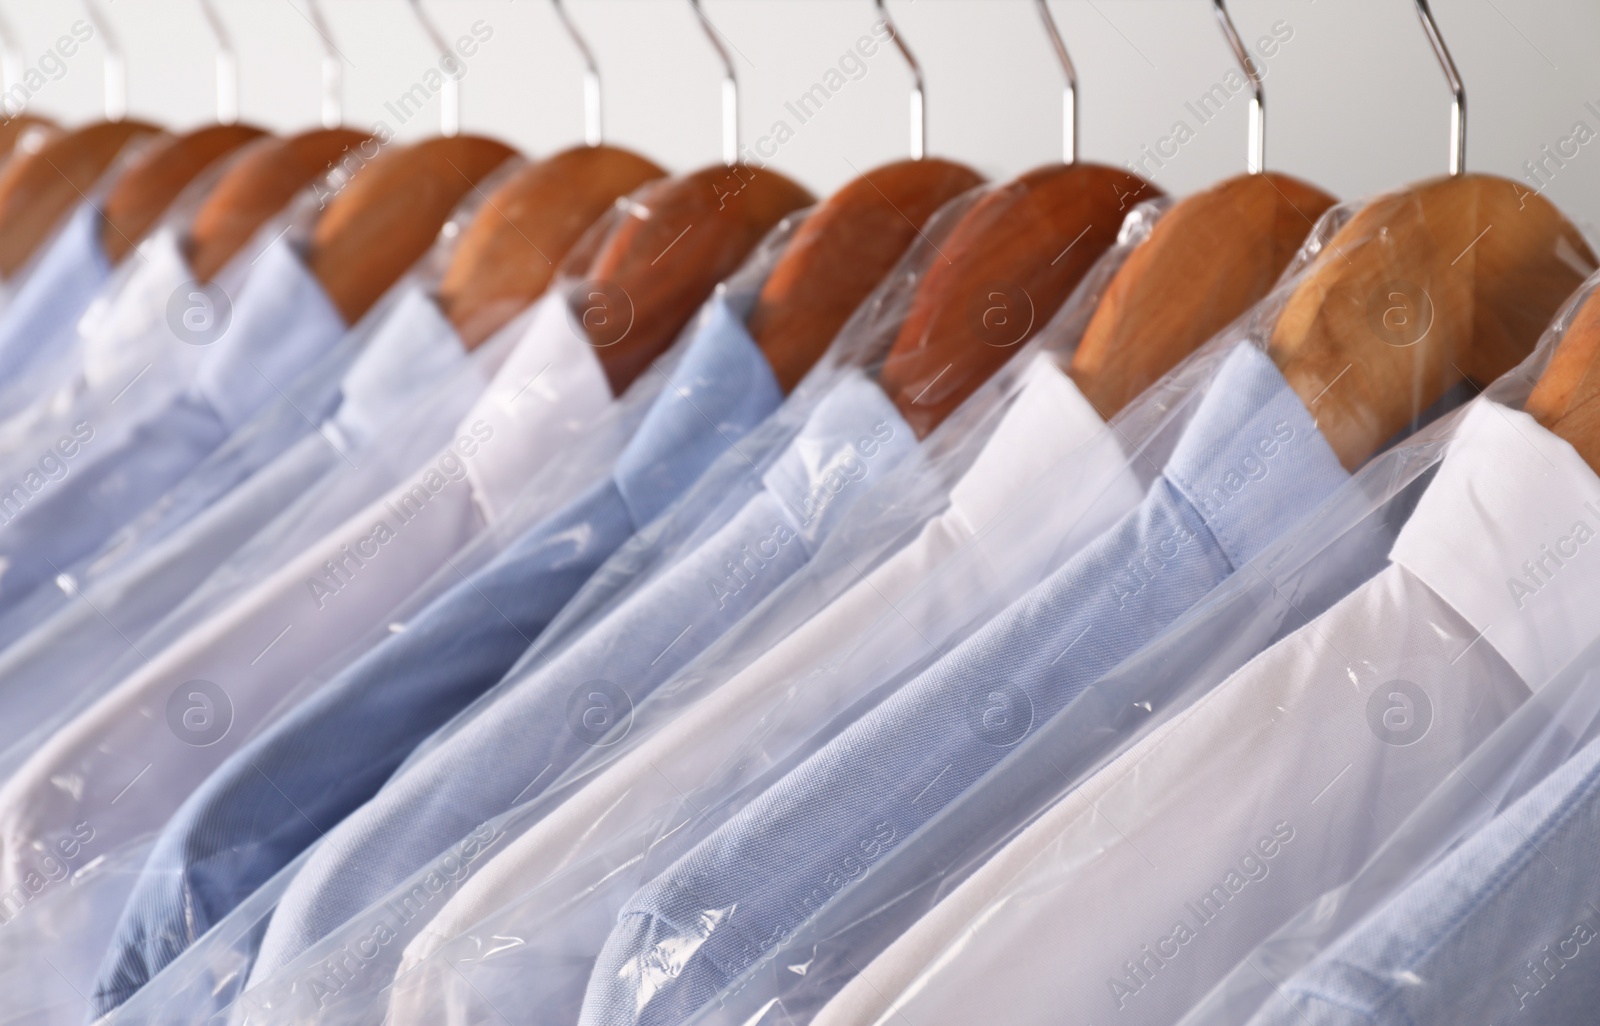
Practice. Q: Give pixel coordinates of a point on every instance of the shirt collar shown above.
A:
(721, 389)
(56, 289)
(1252, 461)
(125, 328)
(1508, 533)
(280, 322)
(412, 351)
(552, 376)
(1049, 419)
(849, 441)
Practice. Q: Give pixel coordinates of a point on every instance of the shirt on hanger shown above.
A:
(413, 366)
(279, 793)
(282, 322)
(40, 316)
(138, 751)
(584, 695)
(1249, 465)
(1497, 931)
(1050, 438)
(1181, 855)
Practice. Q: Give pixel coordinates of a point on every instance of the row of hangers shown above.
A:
(1496, 260)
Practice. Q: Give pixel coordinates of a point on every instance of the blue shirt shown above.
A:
(1250, 464)
(282, 322)
(1498, 931)
(53, 295)
(278, 794)
(584, 696)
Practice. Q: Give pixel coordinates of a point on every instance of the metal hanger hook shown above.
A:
(1069, 91)
(116, 68)
(730, 89)
(227, 66)
(1256, 154)
(593, 124)
(1458, 92)
(450, 64)
(332, 69)
(919, 97)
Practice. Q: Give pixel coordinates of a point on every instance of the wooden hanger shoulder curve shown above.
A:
(516, 241)
(840, 252)
(143, 193)
(1566, 398)
(258, 185)
(37, 189)
(999, 276)
(391, 212)
(1207, 260)
(661, 262)
(1455, 277)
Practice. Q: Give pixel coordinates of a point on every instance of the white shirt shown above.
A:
(1134, 894)
(127, 762)
(1050, 438)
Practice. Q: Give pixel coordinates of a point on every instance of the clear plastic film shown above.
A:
(71, 919)
(1356, 696)
(580, 467)
(332, 984)
(110, 602)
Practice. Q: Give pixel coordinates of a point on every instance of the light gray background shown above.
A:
(1356, 103)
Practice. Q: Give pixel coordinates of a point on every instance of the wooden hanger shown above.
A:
(669, 251)
(674, 241)
(1566, 398)
(144, 192)
(14, 129)
(38, 189)
(1207, 260)
(511, 250)
(1455, 277)
(840, 253)
(391, 210)
(256, 186)
(1001, 274)
(390, 213)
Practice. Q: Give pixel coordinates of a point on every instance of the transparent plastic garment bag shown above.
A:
(699, 516)
(281, 480)
(334, 989)
(1283, 734)
(75, 906)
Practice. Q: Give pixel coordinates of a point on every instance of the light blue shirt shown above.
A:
(1501, 930)
(283, 322)
(1250, 464)
(55, 292)
(584, 695)
(278, 794)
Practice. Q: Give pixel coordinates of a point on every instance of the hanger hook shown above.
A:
(227, 67)
(1255, 160)
(593, 125)
(332, 70)
(450, 95)
(919, 103)
(1069, 91)
(1458, 92)
(116, 69)
(730, 90)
